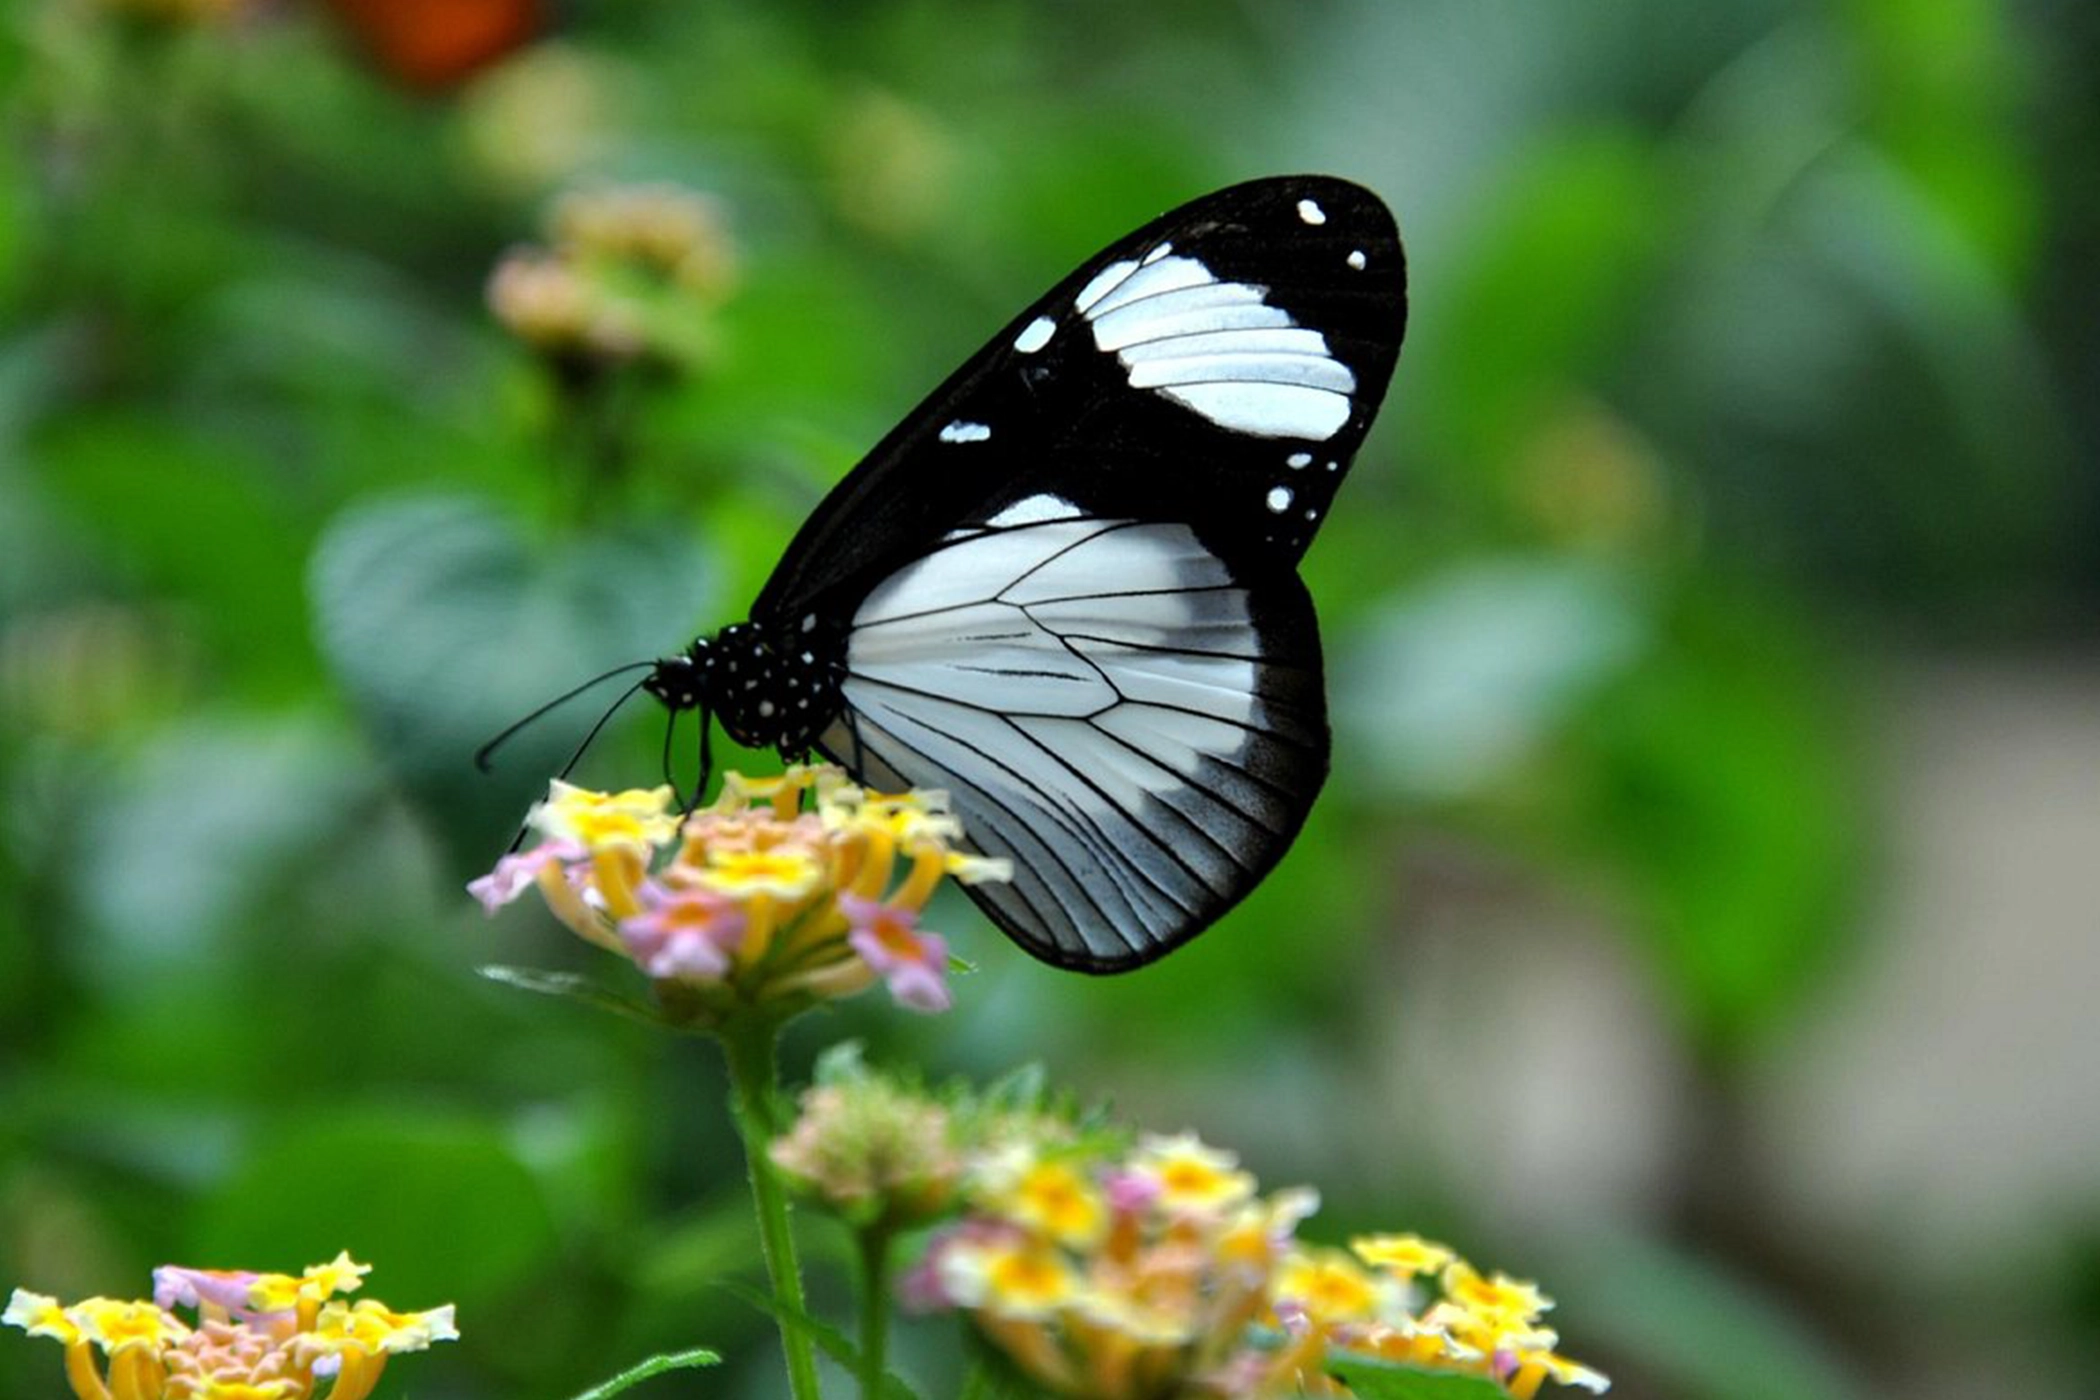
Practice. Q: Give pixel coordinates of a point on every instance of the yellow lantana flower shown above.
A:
(257, 1336)
(784, 890)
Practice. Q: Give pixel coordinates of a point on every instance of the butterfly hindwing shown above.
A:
(1136, 726)
(1065, 587)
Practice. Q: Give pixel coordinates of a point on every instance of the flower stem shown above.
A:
(750, 1044)
(874, 1308)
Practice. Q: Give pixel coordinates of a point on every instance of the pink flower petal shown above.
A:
(914, 964)
(691, 934)
(514, 874)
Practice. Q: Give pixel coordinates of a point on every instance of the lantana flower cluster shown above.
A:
(255, 1336)
(784, 891)
(1115, 1269)
(630, 274)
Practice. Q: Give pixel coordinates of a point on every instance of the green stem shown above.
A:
(874, 1308)
(750, 1045)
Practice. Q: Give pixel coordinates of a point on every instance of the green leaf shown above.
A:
(1455, 685)
(1719, 787)
(437, 1201)
(446, 620)
(1563, 249)
(654, 1366)
(1379, 1380)
(575, 987)
(1702, 1332)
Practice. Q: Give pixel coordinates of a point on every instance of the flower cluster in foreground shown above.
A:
(1114, 1270)
(784, 891)
(255, 1336)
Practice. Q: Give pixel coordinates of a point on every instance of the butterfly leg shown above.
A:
(670, 778)
(707, 761)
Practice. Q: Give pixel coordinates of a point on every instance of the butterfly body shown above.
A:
(1065, 587)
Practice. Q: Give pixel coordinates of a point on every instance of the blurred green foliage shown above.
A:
(1750, 340)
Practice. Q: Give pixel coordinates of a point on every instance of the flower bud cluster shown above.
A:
(630, 274)
(1115, 1270)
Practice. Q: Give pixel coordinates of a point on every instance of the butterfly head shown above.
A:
(770, 691)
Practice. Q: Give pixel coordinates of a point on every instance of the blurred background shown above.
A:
(1701, 915)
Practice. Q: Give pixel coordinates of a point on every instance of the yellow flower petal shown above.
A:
(1405, 1255)
(40, 1316)
(1058, 1202)
(637, 817)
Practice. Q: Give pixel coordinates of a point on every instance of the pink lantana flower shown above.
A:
(684, 932)
(519, 871)
(783, 892)
(887, 937)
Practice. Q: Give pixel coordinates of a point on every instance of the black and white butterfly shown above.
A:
(1065, 587)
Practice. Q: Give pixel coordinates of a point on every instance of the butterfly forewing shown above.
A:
(1191, 371)
(1067, 586)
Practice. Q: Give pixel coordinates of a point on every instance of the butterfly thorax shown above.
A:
(770, 690)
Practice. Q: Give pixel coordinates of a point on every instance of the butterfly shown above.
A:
(1065, 587)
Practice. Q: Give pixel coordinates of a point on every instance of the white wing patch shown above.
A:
(961, 430)
(1218, 347)
(1091, 693)
(1035, 510)
(1035, 335)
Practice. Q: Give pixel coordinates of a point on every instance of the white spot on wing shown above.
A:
(1311, 212)
(1220, 306)
(1267, 410)
(1282, 340)
(1357, 260)
(1272, 370)
(1035, 510)
(1035, 335)
(1218, 348)
(1166, 275)
(1106, 278)
(1299, 460)
(1279, 499)
(962, 430)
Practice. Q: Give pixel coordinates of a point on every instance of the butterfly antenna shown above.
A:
(576, 757)
(486, 752)
(603, 720)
